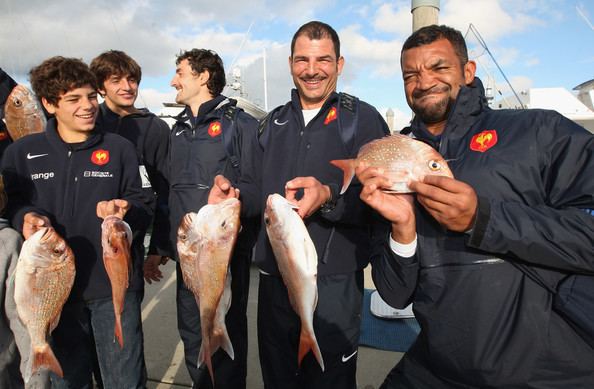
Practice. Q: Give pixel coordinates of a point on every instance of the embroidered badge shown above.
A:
(214, 129)
(100, 157)
(331, 116)
(3, 135)
(483, 141)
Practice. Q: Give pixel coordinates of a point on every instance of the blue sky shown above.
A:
(538, 43)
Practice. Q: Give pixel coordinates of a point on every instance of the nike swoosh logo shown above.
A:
(280, 123)
(344, 359)
(32, 156)
(179, 132)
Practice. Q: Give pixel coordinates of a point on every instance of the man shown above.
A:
(70, 177)
(119, 77)
(198, 153)
(297, 142)
(523, 185)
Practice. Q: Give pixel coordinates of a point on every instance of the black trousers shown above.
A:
(229, 374)
(337, 323)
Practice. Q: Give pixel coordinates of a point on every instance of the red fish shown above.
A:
(116, 238)
(43, 279)
(402, 158)
(23, 114)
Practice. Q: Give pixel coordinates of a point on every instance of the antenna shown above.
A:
(477, 35)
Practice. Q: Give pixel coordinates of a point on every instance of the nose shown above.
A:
(126, 84)
(425, 80)
(311, 67)
(173, 81)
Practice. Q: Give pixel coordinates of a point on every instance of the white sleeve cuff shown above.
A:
(404, 250)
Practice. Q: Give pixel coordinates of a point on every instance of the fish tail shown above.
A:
(118, 330)
(43, 356)
(307, 342)
(348, 167)
(204, 356)
(223, 341)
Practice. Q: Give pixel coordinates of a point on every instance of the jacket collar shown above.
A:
(205, 111)
(296, 102)
(54, 138)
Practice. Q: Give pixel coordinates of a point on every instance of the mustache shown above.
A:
(418, 93)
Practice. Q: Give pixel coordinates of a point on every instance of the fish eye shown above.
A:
(183, 236)
(267, 221)
(17, 102)
(57, 251)
(434, 165)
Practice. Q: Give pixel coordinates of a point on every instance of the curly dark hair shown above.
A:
(57, 75)
(114, 62)
(201, 60)
(315, 30)
(429, 34)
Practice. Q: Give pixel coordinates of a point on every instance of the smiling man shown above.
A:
(118, 76)
(295, 145)
(70, 177)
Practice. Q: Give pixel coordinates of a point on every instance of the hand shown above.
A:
(222, 190)
(451, 202)
(32, 222)
(116, 207)
(314, 194)
(151, 268)
(397, 208)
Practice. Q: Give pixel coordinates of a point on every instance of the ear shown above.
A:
(49, 107)
(290, 64)
(204, 77)
(469, 72)
(101, 92)
(340, 64)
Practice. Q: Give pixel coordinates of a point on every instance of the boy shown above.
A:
(70, 177)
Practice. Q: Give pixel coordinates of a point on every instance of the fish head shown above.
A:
(46, 248)
(23, 113)
(216, 223)
(277, 210)
(116, 236)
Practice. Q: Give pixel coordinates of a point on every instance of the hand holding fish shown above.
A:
(32, 222)
(397, 208)
(222, 190)
(116, 207)
(451, 202)
(314, 194)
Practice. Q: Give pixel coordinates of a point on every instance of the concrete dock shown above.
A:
(164, 350)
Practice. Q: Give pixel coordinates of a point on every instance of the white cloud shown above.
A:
(394, 18)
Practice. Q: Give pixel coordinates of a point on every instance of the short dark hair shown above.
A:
(201, 60)
(430, 34)
(57, 75)
(114, 62)
(315, 30)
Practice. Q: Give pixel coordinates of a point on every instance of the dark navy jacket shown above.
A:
(290, 149)
(65, 182)
(7, 84)
(197, 155)
(484, 323)
(150, 136)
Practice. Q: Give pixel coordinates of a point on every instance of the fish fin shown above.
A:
(43, 356)
(118, 330)
(348, 167)
(307, 342)
(225, 343)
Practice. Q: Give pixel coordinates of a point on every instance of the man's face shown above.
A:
(433, 76)
(188, 84)
(76, 110)
(120, 91)
(315, 70)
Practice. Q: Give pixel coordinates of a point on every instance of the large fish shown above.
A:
(205, 242)
(44, 276)
(402, 158)
(23, 113)
(116, 238)
(298, 264)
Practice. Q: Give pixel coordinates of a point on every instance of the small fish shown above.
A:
(298, 264)
(44, 276)
(205, 242)
(116, 238)
(402, 158)
(23, 113)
